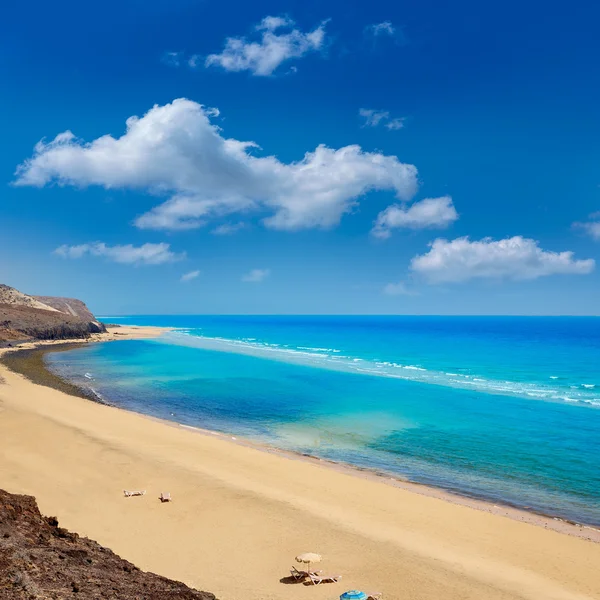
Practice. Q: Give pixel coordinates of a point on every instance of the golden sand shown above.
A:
(239, 515)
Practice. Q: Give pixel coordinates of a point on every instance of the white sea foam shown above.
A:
(325, 358)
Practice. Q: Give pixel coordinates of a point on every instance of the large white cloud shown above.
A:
(426, 214)
(511, 258)
(279, 41)
(175, 151)
(147, 254)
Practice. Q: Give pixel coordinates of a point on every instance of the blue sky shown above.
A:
(415, 158)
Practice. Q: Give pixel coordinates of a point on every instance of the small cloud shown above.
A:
(147, 254)
(279, 41)
(399, 289)
(374, 118)
(430, 213)
(395, 124)
(383, 28)
(590, 227)
(194, 61)
(256, 275)
(228, 228)
(172, 59)
(189, 276)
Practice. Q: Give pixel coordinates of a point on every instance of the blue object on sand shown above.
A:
(353, 595)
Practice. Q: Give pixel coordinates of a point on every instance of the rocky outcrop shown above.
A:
(12, 297)
(68, 306)
(40, 560)
(44, 317)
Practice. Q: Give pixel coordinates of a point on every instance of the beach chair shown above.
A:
(128, 493)
(317, 578)
(374, 596)
(165, 497)
(299, 575)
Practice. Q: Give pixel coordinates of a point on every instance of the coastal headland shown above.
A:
(240, 514)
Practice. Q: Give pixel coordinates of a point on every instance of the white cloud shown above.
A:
(398, 289)
(383, 28)
(256, 275)
(430, 213)
(147, 254)
(175, 151)
(275, 46)
(515, 258)
(395, 124)
(591, 227)
(374, 118)
(228, 228)
(189, 276)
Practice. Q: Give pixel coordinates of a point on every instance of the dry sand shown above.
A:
(239, 515)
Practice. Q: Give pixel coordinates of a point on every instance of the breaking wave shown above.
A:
(333, 359)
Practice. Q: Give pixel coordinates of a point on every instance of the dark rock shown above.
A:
(39, 559)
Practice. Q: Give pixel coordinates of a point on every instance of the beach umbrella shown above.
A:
(353, 595)
(308, 558)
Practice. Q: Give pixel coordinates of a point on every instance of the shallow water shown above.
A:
(501, 408)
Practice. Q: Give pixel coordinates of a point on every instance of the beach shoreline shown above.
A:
(242, 511)
(28, 360)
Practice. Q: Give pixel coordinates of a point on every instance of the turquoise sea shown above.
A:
(503, 408)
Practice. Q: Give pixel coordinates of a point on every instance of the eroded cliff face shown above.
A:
(40, 560)
(43, 317)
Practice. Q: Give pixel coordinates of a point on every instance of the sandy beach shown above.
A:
(239, 514)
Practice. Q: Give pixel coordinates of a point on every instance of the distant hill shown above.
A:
(68, 306)
(43, 317)
(12, 297)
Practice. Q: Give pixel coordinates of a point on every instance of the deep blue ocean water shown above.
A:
(503, 408)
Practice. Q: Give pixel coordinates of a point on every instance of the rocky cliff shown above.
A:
(43, 317)
(41, 561)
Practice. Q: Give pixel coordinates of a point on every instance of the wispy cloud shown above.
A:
(147, 254)
(399, 289)
(176, 150)
(228, 228)
(189, 276)
(374, 118)
(514, 258)
(590, 227)
(430, 213)
(256, 275)
(172, 59)
(383, 28)
(395, 124)
(279, 41)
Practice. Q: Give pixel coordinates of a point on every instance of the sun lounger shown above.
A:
(165, 497)
(298, 575)
(318, 578)
(128, 493)
(375, 596)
